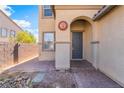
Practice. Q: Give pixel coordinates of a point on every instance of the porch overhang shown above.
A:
(103, 11)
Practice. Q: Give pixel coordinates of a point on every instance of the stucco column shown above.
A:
(62, 58)
(62, 53)
(95, 46)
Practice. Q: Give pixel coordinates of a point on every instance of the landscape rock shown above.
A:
(19, 80)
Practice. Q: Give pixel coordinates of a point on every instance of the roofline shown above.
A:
(10, 19)
(103, 11)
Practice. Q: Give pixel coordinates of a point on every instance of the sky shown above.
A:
(26, 16)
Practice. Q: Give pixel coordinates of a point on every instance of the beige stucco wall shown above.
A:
(70, 15)
(49, 24)
(78, 26)
(87, 42)
(9, 57)
(106, 55)
(63, 38)
(45, 25)
(111, 47)
(7, 23)
(62, 56)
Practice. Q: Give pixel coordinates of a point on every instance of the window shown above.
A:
(3, 32)
(8, 33)
(48, 41)
(12, 33)
(47, 10)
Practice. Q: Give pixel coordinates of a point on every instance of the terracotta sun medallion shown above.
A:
(62, 25)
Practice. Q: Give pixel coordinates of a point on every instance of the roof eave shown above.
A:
(11, 20)
(103, 12)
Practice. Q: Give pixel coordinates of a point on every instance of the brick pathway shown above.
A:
(81, 75)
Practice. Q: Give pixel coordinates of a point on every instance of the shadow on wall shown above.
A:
(12, 54)
(15, 53)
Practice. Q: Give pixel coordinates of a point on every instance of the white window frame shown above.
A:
(8, 33)
(12, 33)
(46, 7)
(43, 41)
(4, 32)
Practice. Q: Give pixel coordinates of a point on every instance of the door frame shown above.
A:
(82, 45)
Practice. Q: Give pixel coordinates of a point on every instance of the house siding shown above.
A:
(111, 50)
(7, 23)
(45, 25)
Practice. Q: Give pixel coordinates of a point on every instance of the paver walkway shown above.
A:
(81, 75)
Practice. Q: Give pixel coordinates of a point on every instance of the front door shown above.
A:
(77, 45)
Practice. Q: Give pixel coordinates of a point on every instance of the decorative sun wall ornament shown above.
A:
(63, 25)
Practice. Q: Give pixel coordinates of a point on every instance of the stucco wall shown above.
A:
(62, 52)
(50, 24)
(12, 53)
(111, 47)
(87, 42)
(27, 52)
(45, 25)
(69, 16)
(65, 37)
(7, 23)
(78, 26)
(70, 13)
